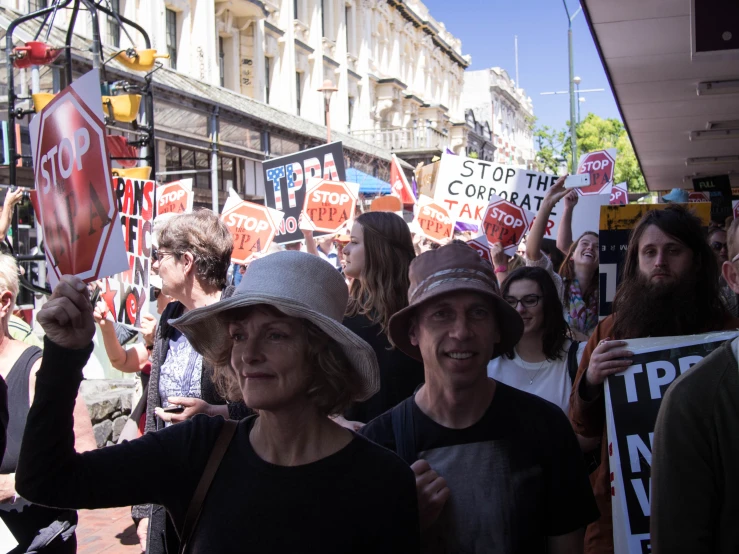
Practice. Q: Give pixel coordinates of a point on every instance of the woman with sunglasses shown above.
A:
(717, 241)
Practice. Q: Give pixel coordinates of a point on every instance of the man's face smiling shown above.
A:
(663, 260)
(456, 334)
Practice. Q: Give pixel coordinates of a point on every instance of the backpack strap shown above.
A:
(404, 431)
(572, 364)
(211, 468)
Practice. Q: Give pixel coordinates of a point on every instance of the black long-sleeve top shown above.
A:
(252, 505)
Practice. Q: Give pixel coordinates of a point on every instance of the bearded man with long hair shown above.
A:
(669, 287)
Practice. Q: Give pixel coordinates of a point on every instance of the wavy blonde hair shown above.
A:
(382, 290)
(334, 385)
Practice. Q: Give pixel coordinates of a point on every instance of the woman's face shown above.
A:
(354, 253)
(586, 252)
(526, 291)
(268, 356)
(172, 272)
(719, 247)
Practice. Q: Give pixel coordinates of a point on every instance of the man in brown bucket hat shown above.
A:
(497, 469)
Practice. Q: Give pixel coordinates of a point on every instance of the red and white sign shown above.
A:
(329, 205)
(253, 228)
(74, 192)
(175, 198)
(696, 196)
(620, 194)
(481, 245)
(434, 221)
(506, 223)
(399, 183)
(601, 166)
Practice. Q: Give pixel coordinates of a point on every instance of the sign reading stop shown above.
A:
(601, 166)
(481, 246)
(506, 223)
(434, 220)
(698, 197)
(329, 205)
(74, 192)
(175, 198)
(253, 228)
(619, 195)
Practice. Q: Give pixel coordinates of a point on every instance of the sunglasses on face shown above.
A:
(528, 301)
(154, 294)
(718, 246)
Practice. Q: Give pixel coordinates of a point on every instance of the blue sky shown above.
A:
(487, 28)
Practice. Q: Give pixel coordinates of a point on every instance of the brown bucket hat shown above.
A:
(453, 268)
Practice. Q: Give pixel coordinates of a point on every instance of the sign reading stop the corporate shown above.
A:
(506, 223)
(285, 181)
(175, 198)
(434, 220)
(601, 166)
(329, 205)
(253, 228)
(74, 192)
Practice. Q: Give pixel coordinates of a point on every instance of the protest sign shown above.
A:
(329, 205)
(285, 180)
(506, 223)
(127, 293)
(426, 178)
(253, 228)
(387, 204)
(433, 220)
(175, 198)
(481, 245)
(619, 195)
(699, 197)
(616, 223)
(633, 399)
(74, 192)
(601, 165)
(719, 190)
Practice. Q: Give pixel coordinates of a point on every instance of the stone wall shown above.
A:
(110, 403)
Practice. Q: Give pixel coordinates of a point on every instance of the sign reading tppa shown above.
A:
(601, 166)
(76, 206)
(329, 205)
(253, 228)
(506, 223)
(175, 198)
(434, 220)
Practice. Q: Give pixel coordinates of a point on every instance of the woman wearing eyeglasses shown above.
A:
(545, 360)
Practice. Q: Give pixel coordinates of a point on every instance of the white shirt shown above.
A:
(549, 379)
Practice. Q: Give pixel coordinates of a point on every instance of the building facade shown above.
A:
(492, 95)
(241, 82)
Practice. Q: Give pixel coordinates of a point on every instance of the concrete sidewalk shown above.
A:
(110, 531)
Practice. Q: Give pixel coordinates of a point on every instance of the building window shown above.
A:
(114, 29)
(296, 12)
(221, 62)
(347, 19)
(36, 5)
(323, 18)
(226, 173)
(171, 22)
(351, 110)
(298, 90)
(181, 162)
(267, 78)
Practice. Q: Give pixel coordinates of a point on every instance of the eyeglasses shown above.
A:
(528, 301)
(158, 255)
(718, 246)
(154, 294)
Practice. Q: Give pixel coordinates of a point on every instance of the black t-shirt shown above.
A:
(400, 374)
(516, 476)
(359, 499)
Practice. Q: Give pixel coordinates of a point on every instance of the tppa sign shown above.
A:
(620, 194)
(506, 223)
(253, 228)
(601, 166)
(434, 220)
(175, 198)
(285, 181)
(74, 192)
(329, 205)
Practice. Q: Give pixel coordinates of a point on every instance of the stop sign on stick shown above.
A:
(175, 198)
(329, 205)
(253, 228)
(74, 192)
(620, 194)
(506, 223)
(696, 196)
(601, 166)
(434, 220)
(481, 245)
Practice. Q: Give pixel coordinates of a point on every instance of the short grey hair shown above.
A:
(9, 275)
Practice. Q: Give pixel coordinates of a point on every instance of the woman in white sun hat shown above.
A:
(275, 482)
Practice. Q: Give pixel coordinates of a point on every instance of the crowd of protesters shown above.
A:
(374, 393)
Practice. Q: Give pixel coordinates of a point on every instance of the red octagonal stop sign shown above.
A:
(73, 183)
(506, 223)
(174, 198)
(253, 228)
(329, 205)
(600, 165)
(435, 222)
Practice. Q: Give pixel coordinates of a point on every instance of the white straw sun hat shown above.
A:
(299, 285)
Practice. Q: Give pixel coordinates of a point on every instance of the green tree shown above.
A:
(550, 144)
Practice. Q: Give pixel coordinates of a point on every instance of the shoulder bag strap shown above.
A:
(404, 431)
(196, 504)
(572, 364)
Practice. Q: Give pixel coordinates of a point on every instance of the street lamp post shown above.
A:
(573, 137)
(577, 82)
(327, 88)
